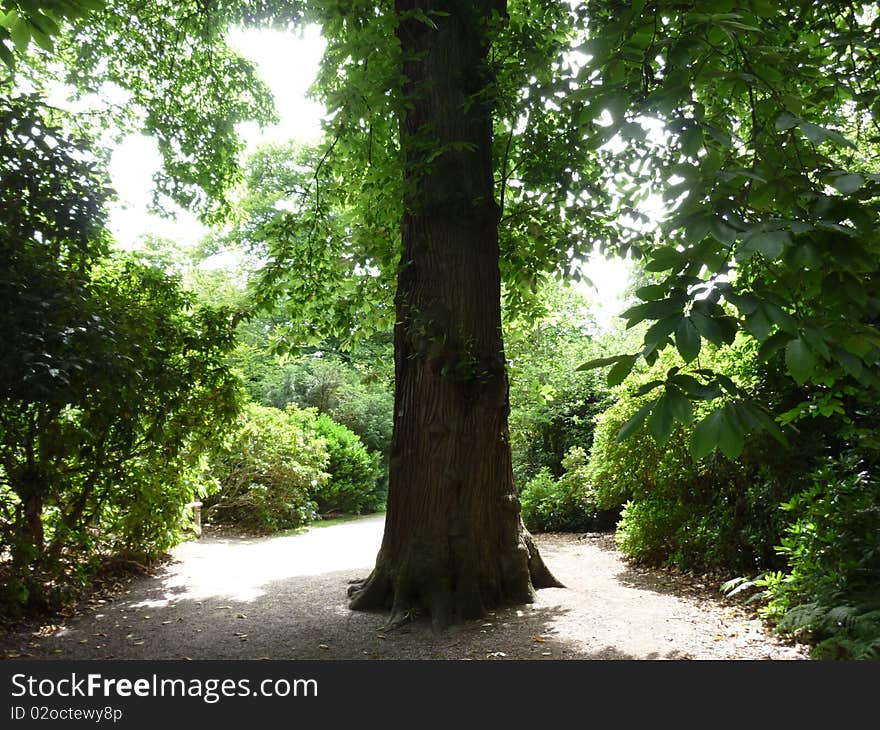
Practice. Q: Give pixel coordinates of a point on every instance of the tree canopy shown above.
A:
(768, 166)
(472, 153)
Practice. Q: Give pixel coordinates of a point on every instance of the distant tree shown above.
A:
(552, 404)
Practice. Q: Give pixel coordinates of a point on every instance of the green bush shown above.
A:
(141, 523)
(540, 502)
(331, 386)
(354, 485)
(715, 514)
(98, 450)
(564, 504)
(112, 383)
(282, 469)
(649, 529)
(831, 593)
(268, 470)
(358, 397)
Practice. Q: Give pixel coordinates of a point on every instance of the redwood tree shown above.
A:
(454, 543)
(405, 186)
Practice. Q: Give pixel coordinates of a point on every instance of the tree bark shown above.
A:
(454, 542)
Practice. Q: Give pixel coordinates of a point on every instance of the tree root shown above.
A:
(355, 585)
(407, 599)
(370, 592)
(538, 570)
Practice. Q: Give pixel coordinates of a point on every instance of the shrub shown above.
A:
(268, 470)
(715, 514)
(540, 500)
(564, 504)
(360, 401)
(831, 593)
(112, 383)
(333, 387)
(97, 450)
(354, 485)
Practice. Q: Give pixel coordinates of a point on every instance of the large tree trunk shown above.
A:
(454, 541)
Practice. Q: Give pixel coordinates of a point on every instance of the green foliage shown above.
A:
(831, 591)
(310, 261)
(768, 170)
(23, 21)
(357, 400)
(543, 503)
(552, 405)
(268, 470)
(102, 461)
(171, 380)
(565, 504)
(553, 207)
(112, 383)
(51, 232)
(717, 513)
(352, 389)
(173, 78)
(282, 468)
(355, 485)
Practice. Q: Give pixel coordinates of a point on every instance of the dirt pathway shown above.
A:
(284, 598)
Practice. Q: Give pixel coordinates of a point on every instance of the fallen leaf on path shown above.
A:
(323, 646)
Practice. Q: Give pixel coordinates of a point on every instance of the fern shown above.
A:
(849, 631)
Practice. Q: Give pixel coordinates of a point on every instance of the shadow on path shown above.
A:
(285, 598)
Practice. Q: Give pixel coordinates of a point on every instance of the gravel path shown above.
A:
(284, 598)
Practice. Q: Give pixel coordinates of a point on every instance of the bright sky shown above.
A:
(288, 63)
